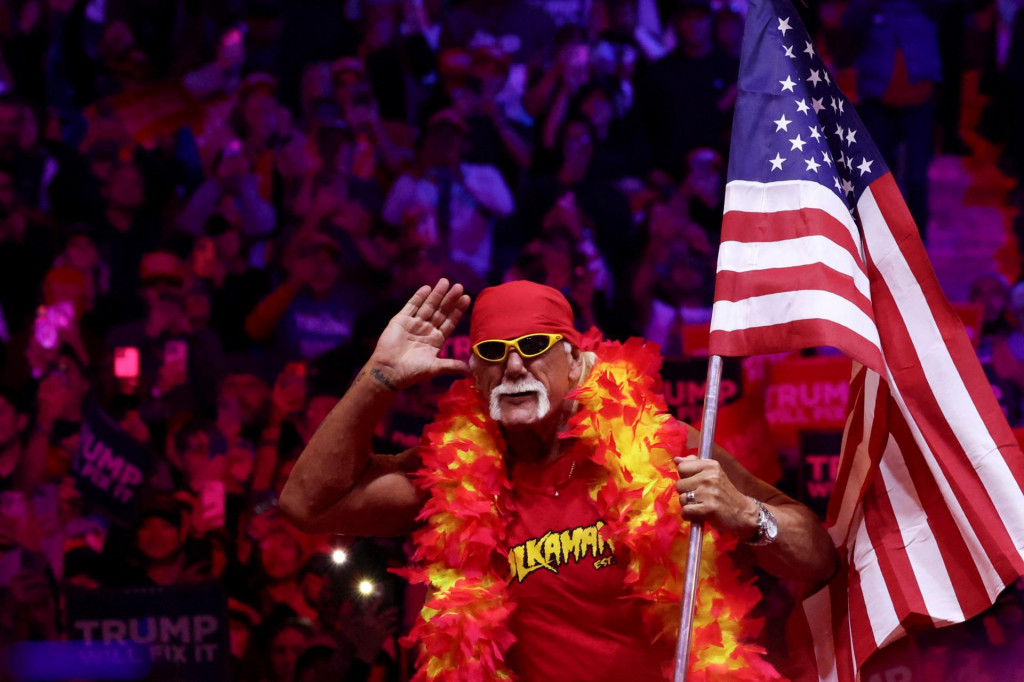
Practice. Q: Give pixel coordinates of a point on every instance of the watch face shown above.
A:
(771, 526)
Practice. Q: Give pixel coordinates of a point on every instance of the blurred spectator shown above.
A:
(286, 646)
(992, 293)
(313, 311)
(466, 198)
(14, 421)
(234, 189)
(376, 154)
(596, 203)
(127, 229)
(218, 260)
(29, 605)
(672, 293)
(281, 557)
(22, 161)
(178, 363)
(25, 251)
(164, 555)
(476, 85)
(898, 67)
(696, 83)
(520, 30)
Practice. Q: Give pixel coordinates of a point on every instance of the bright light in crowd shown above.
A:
(366, 587)
(339, 556)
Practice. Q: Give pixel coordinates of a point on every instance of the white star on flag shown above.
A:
(842, 161)
(787, 84)
(865, 166)
(828, 81)
(801, 106)
(784, 25)
(777, 162)
(817, 104)
(827, 159)
(782, 124)
(840, 101)
(789, 51)
(815, 133)
(834, 108)
(838, 186)
(810, 50)
(847, 186)
(851, 136)
(839, 132)
(815, 77)
(798, 143)
(812, 165)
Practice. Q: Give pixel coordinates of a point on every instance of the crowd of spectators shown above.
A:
(209, 208)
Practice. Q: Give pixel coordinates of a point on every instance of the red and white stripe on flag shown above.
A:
(928, 508)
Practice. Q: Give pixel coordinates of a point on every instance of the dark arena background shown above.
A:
(210, 209)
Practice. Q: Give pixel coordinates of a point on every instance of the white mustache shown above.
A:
(525, 385)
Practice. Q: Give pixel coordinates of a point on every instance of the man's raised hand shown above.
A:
(408, 349)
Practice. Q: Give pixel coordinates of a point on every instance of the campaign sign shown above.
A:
(181, 631)
(405, 430)
(110, 465)
(684, 386)
(807, 394)
(819, 464)
(457, 346)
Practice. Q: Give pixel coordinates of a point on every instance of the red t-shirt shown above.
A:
(574, 618)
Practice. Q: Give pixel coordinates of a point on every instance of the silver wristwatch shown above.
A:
(767, 527)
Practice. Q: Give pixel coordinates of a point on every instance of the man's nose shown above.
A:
(514, 365)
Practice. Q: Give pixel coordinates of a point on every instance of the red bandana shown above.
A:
(515, 309)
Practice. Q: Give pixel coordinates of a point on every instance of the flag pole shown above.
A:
(707, 439)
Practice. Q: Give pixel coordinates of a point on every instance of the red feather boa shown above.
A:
(462, 552)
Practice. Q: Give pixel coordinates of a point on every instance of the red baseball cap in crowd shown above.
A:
(518, 308)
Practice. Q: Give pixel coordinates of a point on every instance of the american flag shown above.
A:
(819, 249)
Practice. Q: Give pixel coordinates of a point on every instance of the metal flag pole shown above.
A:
(707, 438)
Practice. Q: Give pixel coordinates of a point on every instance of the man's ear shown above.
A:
(474, 367)
(575, 360)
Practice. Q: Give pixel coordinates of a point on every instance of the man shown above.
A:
(315, 309)
(568, 621)
(161, 540)
(898, 68)
(466, 199)
(686, 98)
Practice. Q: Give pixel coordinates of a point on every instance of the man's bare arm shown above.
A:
(337, 485)
(722, 487)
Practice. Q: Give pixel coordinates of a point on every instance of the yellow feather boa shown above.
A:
(623, 425)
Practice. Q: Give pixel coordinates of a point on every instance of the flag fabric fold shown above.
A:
(819, 249)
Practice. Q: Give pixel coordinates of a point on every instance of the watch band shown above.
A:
(767, 526)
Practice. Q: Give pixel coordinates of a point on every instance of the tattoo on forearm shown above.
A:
(382, 378)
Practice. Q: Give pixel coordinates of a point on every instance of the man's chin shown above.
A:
(514, 417)
(518, 412)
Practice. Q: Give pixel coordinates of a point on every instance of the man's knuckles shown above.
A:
(691, 467)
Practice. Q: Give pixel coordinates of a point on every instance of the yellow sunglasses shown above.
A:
(529, 346)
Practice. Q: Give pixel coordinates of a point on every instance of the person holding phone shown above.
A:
(163, 358)
(532, 493)
(233, 188)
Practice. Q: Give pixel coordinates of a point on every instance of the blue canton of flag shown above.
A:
(792, 122)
